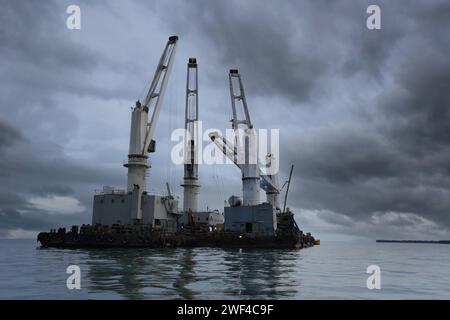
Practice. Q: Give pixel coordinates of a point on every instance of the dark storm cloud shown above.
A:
(15, 213)
(8, 134)
(401, 163)
(32, 174)
(291, 48)
(32, 32)
(348, 157)
(258, 39)
(26, 175)
(420, 101)
(39, 62)
(41, 59)
(11, 219)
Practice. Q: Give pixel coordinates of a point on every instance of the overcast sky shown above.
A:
(364, 115)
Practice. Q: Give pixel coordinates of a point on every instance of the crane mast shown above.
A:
(142, 130)
(190, 183)
(245, 141)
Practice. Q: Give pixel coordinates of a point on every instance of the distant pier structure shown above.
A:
(415, 241)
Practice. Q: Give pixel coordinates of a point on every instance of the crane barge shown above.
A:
(136, 218)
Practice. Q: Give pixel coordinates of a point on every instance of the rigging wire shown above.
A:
(216, 182)
(173, 115)
(168, 128)
(146, 88)
(174, 126)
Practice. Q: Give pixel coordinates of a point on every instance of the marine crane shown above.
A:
(251, 173)
(142, 130)
(245, 141)
(269, 183)
(190, 183)
(244, 152)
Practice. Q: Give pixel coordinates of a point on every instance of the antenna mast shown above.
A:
(287, 189)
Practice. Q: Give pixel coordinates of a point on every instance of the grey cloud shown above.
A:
(16, 213)
(9, 135)
(419, 104)
(386, 225)
(36, 221)
(345, 156)
(292, 49)
(44, 190)
(41, 62)
(259, 41)
(34, 34)
(335, 219)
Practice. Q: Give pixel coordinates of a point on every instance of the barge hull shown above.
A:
(154, 239)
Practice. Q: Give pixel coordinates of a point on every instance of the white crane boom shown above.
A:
(227, 147)
(238, 96)
(266, 183)
(158, 88)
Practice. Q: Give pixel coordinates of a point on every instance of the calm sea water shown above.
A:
(330, 271)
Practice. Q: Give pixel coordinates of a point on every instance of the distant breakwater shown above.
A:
(415, 241)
